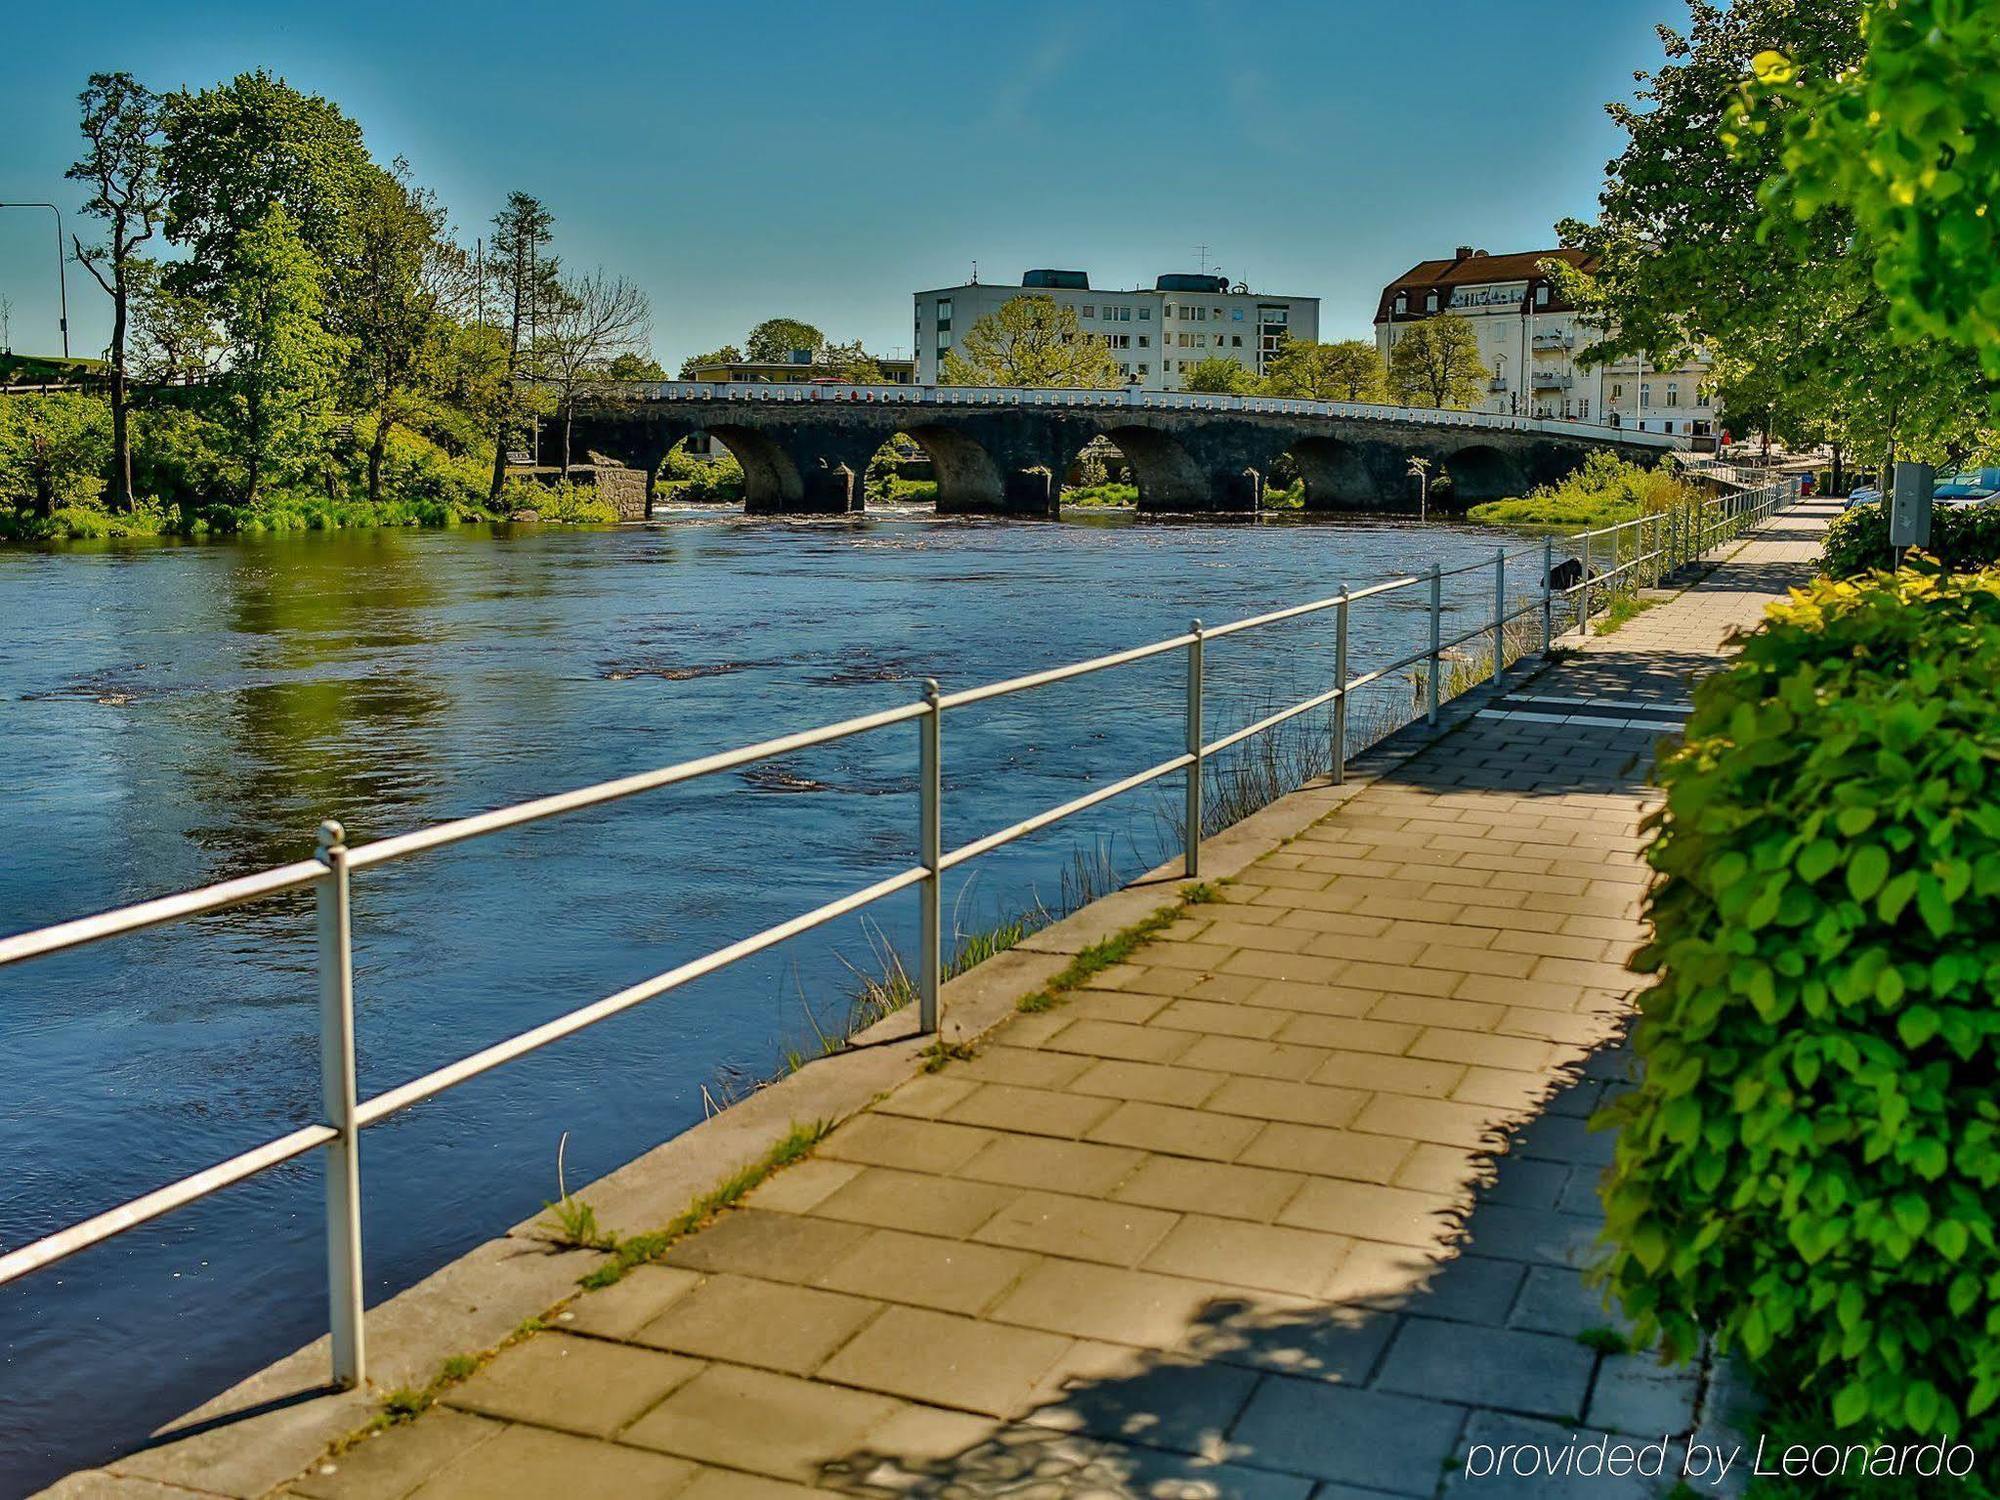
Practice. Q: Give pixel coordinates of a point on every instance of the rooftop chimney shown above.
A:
(1464, 252)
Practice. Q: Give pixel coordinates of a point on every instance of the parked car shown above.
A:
(1968, 489)
(1866, 494)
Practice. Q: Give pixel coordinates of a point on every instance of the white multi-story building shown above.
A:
(1153, 332)
(1529, 337)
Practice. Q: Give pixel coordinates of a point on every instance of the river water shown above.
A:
(177, 714)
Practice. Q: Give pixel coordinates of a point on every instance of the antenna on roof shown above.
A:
(1202, 251)
(975, 273)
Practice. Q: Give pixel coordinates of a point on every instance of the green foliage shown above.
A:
(1810, 1166)
(53, 451)
(728, 354)
(572, 1223)
(1218, 375)
(701, 481)
(775, 339)
(1436, 363)
(1605, 489)
(1030, 341)
(1961, 540)
(1349, 370)
(1110, 492)
(1906, 148)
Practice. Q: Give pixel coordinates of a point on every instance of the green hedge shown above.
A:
(1810, 1166)
(1963, 540)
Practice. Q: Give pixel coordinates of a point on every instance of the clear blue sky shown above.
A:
(824, 161)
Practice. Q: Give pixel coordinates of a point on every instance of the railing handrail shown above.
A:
(1678, 536)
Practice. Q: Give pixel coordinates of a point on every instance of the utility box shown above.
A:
(1910, 506)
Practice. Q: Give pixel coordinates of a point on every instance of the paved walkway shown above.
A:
(1293, 1204)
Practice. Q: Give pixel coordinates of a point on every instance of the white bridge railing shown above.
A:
(1124, 398)
(1639, 550)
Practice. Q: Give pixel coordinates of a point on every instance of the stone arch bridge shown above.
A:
(805, 448)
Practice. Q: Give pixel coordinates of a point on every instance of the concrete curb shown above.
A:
(252, 1439)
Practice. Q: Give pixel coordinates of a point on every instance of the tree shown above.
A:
(728, 354)
(1219, 374)
(634, 365)
(597, 318)
(1903, 148)
(1350, 370)
(405, 284)
(853, 363)
(281, 357)
(121, 124)
(529, 281)
(175, 340)
(1030, 341)
(1436, 363)
(52, 451)
(775, 339)
(234, 150)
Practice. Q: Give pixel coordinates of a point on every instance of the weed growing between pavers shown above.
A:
(1113, 950)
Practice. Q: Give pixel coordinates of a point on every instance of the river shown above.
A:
(178, 713)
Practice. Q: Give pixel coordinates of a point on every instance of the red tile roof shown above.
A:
(1474, 269)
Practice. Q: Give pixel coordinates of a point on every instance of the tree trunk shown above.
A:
(122, 497)
(376, 449)
(569, 422)
(1837, 479)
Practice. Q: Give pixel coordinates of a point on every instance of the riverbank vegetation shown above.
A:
(1607, 489)
(300, 339)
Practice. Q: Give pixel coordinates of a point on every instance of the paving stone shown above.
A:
(1030, 1067)
(1439, 1120)
(1635, 1393)
(1308, 1339)
(916, 1201)
(1391, 1075)
(780, 1247)
(391, 1462)
(1253, 1057)
(732, 1484)
(1369, 1211)
(1220, 1188)
(1482, 1048)
(1110, 1303)
(1265, 1256)
(760, 1323)
(1032, 1162)
(1535, 1235)
(1133, 1008)
(1558, 1300)
(1275, 1099)
(1185, 1086)
(935, 1357)
(1482, 1366)
(1119, 1234)
(1220, 1018)
(803, 1184)
(948, 1274)
(1160, 1400)
(1114, 1039)
(1003, 1106)
(1176, 1132)
(1329, 1153)
(1316, 999)
(1359, 1437)
(1452, 1170)
(1348, 1033)
(752, 1419)
(628, 1304)
(531, 1463)
(913, 1145)
(928, 1096)
(578, 1384)
(1523, 1182)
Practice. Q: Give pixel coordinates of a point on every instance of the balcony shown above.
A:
(1497, 383)
(1552, 380)
(1554, 341)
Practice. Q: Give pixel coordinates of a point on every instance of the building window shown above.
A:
(1617, 393)
(1646, 394)
(1236, 315)
(1542, 295)
(1089, 311)
(1169, 311)
(1673, 394)
(1430, 302)
(1402, 302)
(1144, 340)
(1236, 341)
(1144, 369)
(1145, 315)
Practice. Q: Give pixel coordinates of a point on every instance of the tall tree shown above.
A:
(728, 354)
(1030, 341)
(121, 125)
(851, 362)
(1436, 363)
(175, 340)
(597, 318)
(404, 285)
(529, 282)
(1350, 370)
(234, 150)
(1219, 375)
(282, 359)
(775, 339)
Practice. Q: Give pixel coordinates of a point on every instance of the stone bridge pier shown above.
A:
(811, 456)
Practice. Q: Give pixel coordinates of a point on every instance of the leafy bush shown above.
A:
(1811, 1165)
(1858, 541)
(54, 451)
(699, 481)
(575, 504)
(1604, 490)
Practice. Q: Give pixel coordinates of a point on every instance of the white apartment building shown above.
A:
(1529, 338)
(1153, 332)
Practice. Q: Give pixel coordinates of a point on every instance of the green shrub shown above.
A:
(1605, 489)
(54, 451)
(1810, 1167)
(571, 503)
(1961, 540)
(701, 481)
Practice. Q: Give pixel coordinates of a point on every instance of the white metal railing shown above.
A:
(1656, 544)
(1125, 397)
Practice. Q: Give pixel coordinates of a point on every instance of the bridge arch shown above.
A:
(968, 476)
(1337, 475)
(1168, 476)
(1480, 471)
(771, 480)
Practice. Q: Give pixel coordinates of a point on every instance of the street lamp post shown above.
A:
(62, 272)
(1420, 470)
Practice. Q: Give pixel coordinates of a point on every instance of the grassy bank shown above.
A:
(1604, 491)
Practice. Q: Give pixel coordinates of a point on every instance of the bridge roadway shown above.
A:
(1001, 450)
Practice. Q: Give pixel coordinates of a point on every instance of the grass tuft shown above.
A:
(1605, 1340)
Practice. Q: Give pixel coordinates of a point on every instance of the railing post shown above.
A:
(1548, 594)
(337, 1097)
(1437, 635)
(1191, 843)
(930, 811)
(1499, 614)
(1340, 681)
(1583, 591)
